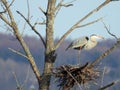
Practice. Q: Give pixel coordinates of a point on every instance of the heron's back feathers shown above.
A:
(78, 43)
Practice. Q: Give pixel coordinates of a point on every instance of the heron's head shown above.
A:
(94, 37)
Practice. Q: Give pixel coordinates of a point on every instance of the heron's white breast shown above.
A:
(90, 45)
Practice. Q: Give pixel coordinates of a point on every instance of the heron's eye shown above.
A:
(87, 38)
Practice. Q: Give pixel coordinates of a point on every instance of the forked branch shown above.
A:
(92, 22)
(42, 11)
(61, 4)
(108, 30)
(18, 85)
(33, 28)
(17, 52)
(8, 7)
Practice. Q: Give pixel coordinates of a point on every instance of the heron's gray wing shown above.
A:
(80, 42)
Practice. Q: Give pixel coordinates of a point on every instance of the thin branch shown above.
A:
(28, 6)
(60, 5)
(17, 82)
(8, 7)
(42, 10)
(81, 20)
(17, 52)
(72, 1)
(108, 30)
(24, 26)
(109, 85)
(5, 20)
(40, 23)
(11, 3)
(33, 28)
(27, 76)
(103, 74)
(28, 17)
(67, 5)
(5, 3)
(92, 22)
(20, 87)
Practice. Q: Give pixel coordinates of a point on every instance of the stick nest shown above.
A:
(69, 75)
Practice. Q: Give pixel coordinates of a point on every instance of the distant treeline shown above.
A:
(10, 61)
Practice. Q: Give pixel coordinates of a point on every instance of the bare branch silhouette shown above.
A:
(27, 76)
(92, 22)
(18, 85)
(17, 52)
(40, 23)
(61, 4)
(5, 20)
(42, 10)
(8, 7)
(58, 7)
(108, 30)
(17, 82)
(33, 28)
(28, 7)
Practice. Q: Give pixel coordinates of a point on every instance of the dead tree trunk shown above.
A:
(49, 52)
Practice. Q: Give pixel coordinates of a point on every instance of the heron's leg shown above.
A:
(79, 57)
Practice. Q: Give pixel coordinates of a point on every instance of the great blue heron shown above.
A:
(85, 43)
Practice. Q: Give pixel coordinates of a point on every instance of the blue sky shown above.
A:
(69, 16)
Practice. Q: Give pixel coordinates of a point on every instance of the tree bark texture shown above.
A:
(49, 52)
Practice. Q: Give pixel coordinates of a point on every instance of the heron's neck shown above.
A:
(92, 40)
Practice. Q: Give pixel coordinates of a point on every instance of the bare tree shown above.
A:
(6, 15)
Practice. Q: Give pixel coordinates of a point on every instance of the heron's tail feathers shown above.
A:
(68, 47)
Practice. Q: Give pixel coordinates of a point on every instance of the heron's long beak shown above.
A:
(100, 37)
